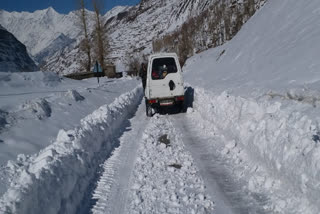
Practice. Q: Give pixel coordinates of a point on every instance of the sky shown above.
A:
(61, 6)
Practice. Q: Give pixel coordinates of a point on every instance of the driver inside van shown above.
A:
(164, 71)
(160, 73)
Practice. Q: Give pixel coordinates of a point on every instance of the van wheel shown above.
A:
(148, 110)
(180, 108)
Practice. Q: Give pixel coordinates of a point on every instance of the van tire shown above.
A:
(148, 110)
(180, 107)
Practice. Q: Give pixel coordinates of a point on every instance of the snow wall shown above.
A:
(57, 179)
(262, 90)
(270, 136)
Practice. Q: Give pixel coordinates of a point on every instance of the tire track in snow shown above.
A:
(228, 192)
(110, 193)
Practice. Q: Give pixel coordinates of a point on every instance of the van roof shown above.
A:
(163, 55)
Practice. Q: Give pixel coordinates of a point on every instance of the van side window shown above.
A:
(162, 67)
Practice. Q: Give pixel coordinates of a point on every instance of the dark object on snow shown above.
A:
(119, 75)
(164, 139)
(316, 137)
(3, 121)
(175, 165)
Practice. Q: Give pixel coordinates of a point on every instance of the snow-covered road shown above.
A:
(175, 170)
(119, 161)
(189, 163)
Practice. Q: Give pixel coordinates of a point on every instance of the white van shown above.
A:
(164, 86)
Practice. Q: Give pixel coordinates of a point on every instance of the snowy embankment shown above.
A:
(56, 179)
(260, 93)
(274, 142)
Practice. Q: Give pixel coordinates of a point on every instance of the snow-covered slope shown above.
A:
(276, 53)
(13, 54)
(55, 47)
(258, 97)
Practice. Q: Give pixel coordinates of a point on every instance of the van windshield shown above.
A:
(162, 67)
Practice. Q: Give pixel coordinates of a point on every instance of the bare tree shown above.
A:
(100, 38)
(133, 65)
(227, 24)
(85, 43)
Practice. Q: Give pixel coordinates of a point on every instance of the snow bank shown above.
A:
(56, 179)
(39, 108)
(260, 91)
(42, 102)
(280, 137)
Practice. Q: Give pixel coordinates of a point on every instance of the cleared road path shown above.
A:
(164, 166)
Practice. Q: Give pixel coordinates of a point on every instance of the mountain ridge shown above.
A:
(13, 54)
(131, 31)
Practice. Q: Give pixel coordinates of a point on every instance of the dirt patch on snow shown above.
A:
(175, 165)
(164, 139)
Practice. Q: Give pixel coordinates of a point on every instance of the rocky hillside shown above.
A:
(13, 54)
(218, 23)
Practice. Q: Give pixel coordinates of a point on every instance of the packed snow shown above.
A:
(165, 179)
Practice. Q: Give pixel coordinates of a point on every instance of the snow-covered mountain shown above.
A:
(42, 29)
(13, 54)
(131, 31)
(68, 60)
(53, 39)
(58, 44)
(49, 35)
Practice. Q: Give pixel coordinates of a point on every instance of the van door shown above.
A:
(166, 79)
